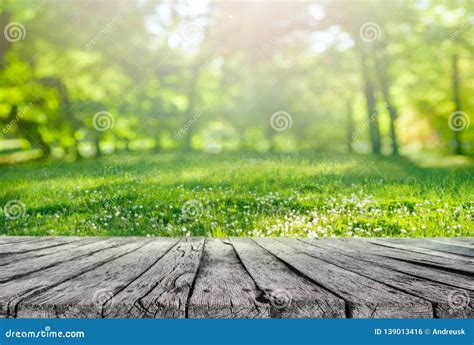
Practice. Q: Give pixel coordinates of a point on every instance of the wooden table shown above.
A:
(97, 277)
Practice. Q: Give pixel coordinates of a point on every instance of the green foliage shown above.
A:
(285, 83)
(155, 65)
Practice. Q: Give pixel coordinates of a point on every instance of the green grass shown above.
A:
(237, 195)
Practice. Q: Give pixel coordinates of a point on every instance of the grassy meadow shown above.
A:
(236, 194)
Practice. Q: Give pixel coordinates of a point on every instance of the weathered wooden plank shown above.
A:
(18, 239)
(365, 298)
(442, 247)
(375, 278)
(22, 268)
(444, 241)
(162, 291)
(14, 291)
(465, 241)
(447, 261)
(363, 250)
(387, 272)
(23, 247)
(409, 248)
(223, 289)
(288, 294)
(85, 295)
(8, 259)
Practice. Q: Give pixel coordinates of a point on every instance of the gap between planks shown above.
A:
(197, 277)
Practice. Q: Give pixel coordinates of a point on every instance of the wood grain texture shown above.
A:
(13, 292)
(34, 264)
(163, 290)
(94, 277)
(287, 293)
(362, 250)
(439, 246)
(27, 246)
(18, 239)
(380, 270)
(464, 241)
(223, 289)
(445, 261)
(421, 250)
(8, 259)
(85, 295)
(365, 298)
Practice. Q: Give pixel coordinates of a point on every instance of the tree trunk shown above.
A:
(350, 126)
(4, 43)
(190, 112)
(371, 105)
(458, 150)
(383, 79)
(97, 145)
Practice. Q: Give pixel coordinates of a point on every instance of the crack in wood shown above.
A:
(234, 277)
